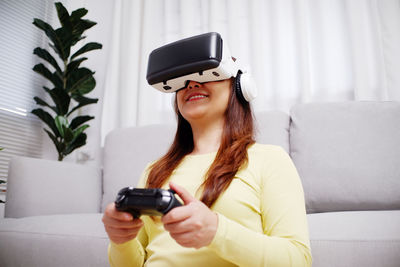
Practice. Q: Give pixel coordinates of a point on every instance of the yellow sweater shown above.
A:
(261, 218)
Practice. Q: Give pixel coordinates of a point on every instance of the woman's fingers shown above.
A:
(182, 193)
(177, 214)
(112, 212)
(184, 218)
(120, 226)
(111, 222)
(121, 232)
(192, 225)
(114, 218)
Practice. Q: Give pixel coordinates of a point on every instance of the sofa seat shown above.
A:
(337, 239)
(355, 238)
(65, 240)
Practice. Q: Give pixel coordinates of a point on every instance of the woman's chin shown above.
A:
(195, 114)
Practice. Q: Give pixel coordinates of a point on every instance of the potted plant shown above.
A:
(69, 81)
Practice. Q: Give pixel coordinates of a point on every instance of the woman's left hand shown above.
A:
(192, 225)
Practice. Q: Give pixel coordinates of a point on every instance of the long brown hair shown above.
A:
(237, 136)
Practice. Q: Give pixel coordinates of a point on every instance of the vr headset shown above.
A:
(202, 58)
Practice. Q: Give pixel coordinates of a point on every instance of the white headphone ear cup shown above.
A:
(248, 86)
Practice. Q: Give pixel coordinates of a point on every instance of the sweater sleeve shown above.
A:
(131, 253)
(284, 240)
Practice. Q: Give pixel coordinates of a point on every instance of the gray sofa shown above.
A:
(347, 155)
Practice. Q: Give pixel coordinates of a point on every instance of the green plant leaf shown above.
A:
(41, 102)
(63, 15)
(68, 134)
(57, 144)
(51, 33)
(75, 64)
(78, 27)
(48, 119)
(66, 39)
(76, 38)
(80, 81)
(52, 77)
(79, 120)
(61, 122)
(77, 14)
(78, 142)
(80, 130)
(86, 48)
(55, 49)
(83, 101)
(44, 71)
(60, 98)
(87, 85)
(81, 25)
(44, 54)
(48, 30)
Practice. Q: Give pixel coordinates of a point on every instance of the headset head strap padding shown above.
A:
(238, 87)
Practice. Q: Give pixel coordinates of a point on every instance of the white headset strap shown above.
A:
(228, 62)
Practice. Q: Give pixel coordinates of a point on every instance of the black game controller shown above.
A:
(139, 201)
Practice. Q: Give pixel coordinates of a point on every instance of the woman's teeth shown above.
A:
(195, 97)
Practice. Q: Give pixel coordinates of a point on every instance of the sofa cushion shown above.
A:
(272, 127)
(54, 240)
(128, 151)
(42, 187)
(347, 155)
(364, 238)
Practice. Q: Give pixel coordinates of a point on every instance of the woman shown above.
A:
(243, 202)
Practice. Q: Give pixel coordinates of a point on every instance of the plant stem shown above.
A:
(65, 74)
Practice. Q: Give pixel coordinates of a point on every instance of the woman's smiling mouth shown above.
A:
(195, 97)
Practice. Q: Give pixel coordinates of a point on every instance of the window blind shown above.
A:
(20, 131)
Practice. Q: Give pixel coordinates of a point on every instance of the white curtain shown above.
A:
(297, 50)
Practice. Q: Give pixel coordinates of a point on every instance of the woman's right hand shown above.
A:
(121, 227)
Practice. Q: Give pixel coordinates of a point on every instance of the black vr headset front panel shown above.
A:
(190, 55)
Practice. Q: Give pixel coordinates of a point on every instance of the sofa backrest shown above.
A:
(126, 154)
(45, 187)
(272, 127)
(347, 155)
(128, 151)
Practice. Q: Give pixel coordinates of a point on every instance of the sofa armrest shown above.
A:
(43, 187)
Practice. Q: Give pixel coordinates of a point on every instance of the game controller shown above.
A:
(140, 201)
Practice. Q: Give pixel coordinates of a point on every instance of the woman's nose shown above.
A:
(193, 84)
